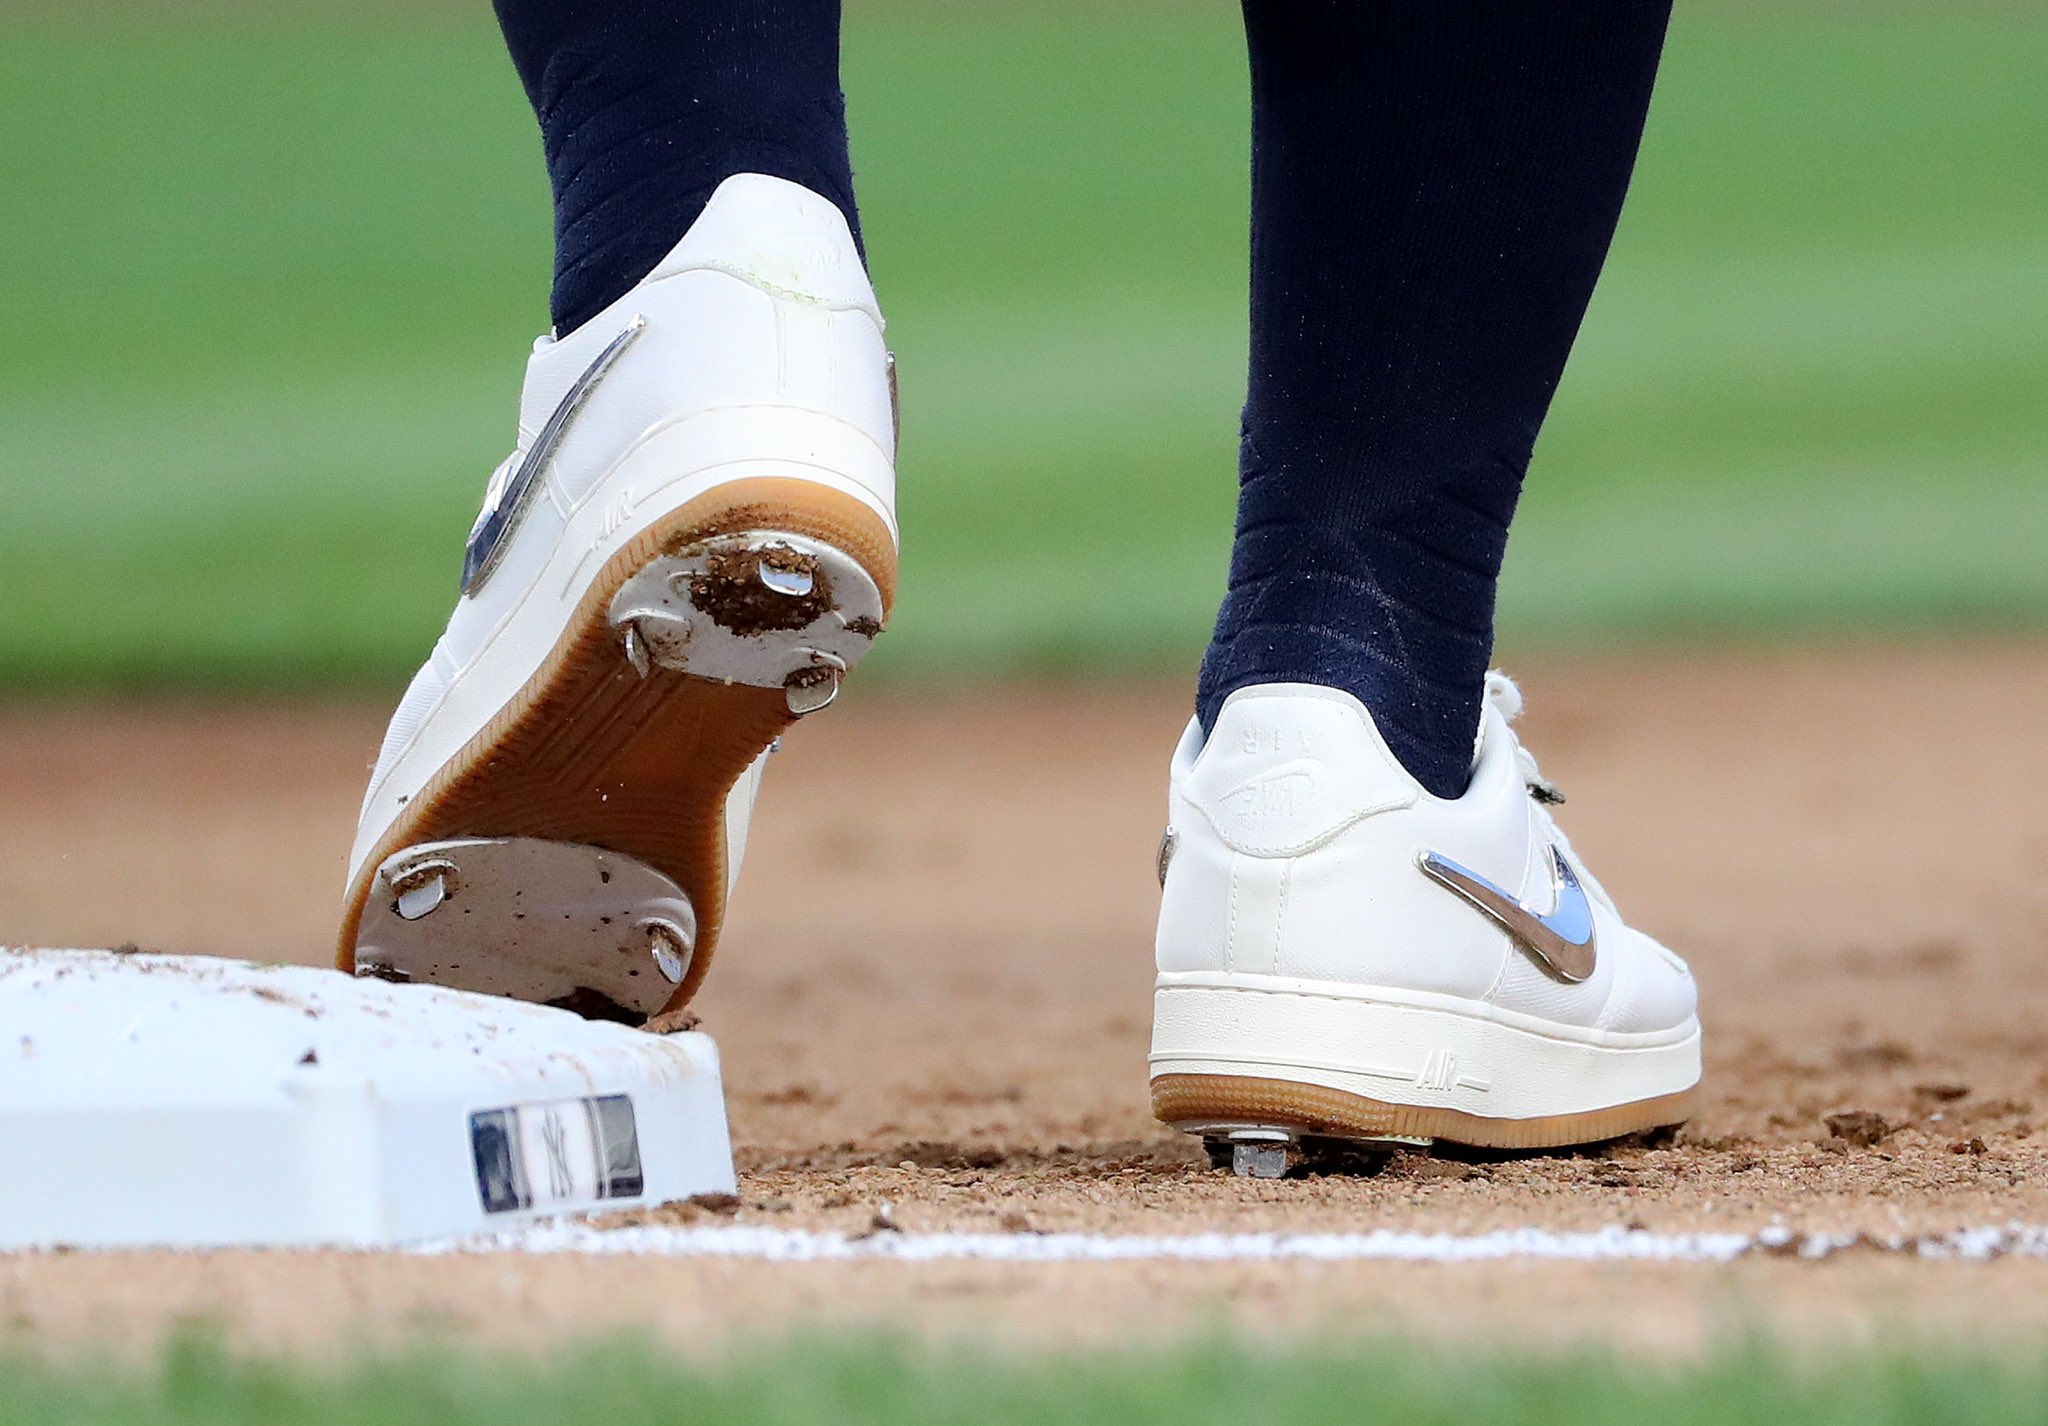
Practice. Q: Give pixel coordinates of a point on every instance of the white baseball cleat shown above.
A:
(1345, 957)
(693, 543)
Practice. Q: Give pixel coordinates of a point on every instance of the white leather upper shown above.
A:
(1297, 836)
(762, 353)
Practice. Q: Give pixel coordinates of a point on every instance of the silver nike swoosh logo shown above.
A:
(1562, 939)
(505, 503)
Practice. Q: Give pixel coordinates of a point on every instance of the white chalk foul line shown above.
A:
(1614, 1244)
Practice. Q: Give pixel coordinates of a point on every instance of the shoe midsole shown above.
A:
(1433, 1052)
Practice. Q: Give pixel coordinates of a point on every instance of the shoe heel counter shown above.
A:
(812, 384)
(1289, 766)
(780, 237)
(789, 287)
(763, 307)
(1286, 769)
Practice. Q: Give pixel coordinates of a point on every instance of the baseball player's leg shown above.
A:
(1371, 925)
(691, 543)
(645, 108)
(1433, 190)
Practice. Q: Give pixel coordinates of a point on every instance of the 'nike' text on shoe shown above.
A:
(693, 543)
(1343, 956)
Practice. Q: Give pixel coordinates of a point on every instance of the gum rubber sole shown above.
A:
(592, 751)
(1211, 1103)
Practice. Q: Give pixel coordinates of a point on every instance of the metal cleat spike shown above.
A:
(671, 948)
(1259, 1160)
(796, 583)
(1258, 1153)
(813, 688)
(636, 650)
(420, 888)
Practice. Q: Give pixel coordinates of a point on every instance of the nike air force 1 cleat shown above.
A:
(693, 543)
(1345, 959)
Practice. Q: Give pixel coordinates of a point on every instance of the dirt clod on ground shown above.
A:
(1858, 1127)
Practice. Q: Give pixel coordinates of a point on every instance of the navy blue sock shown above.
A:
(645, 106)
(1434, 186)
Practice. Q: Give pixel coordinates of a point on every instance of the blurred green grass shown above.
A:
(849, 1381)
(270, 274)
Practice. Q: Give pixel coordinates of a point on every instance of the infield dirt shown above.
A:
(934, 995)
